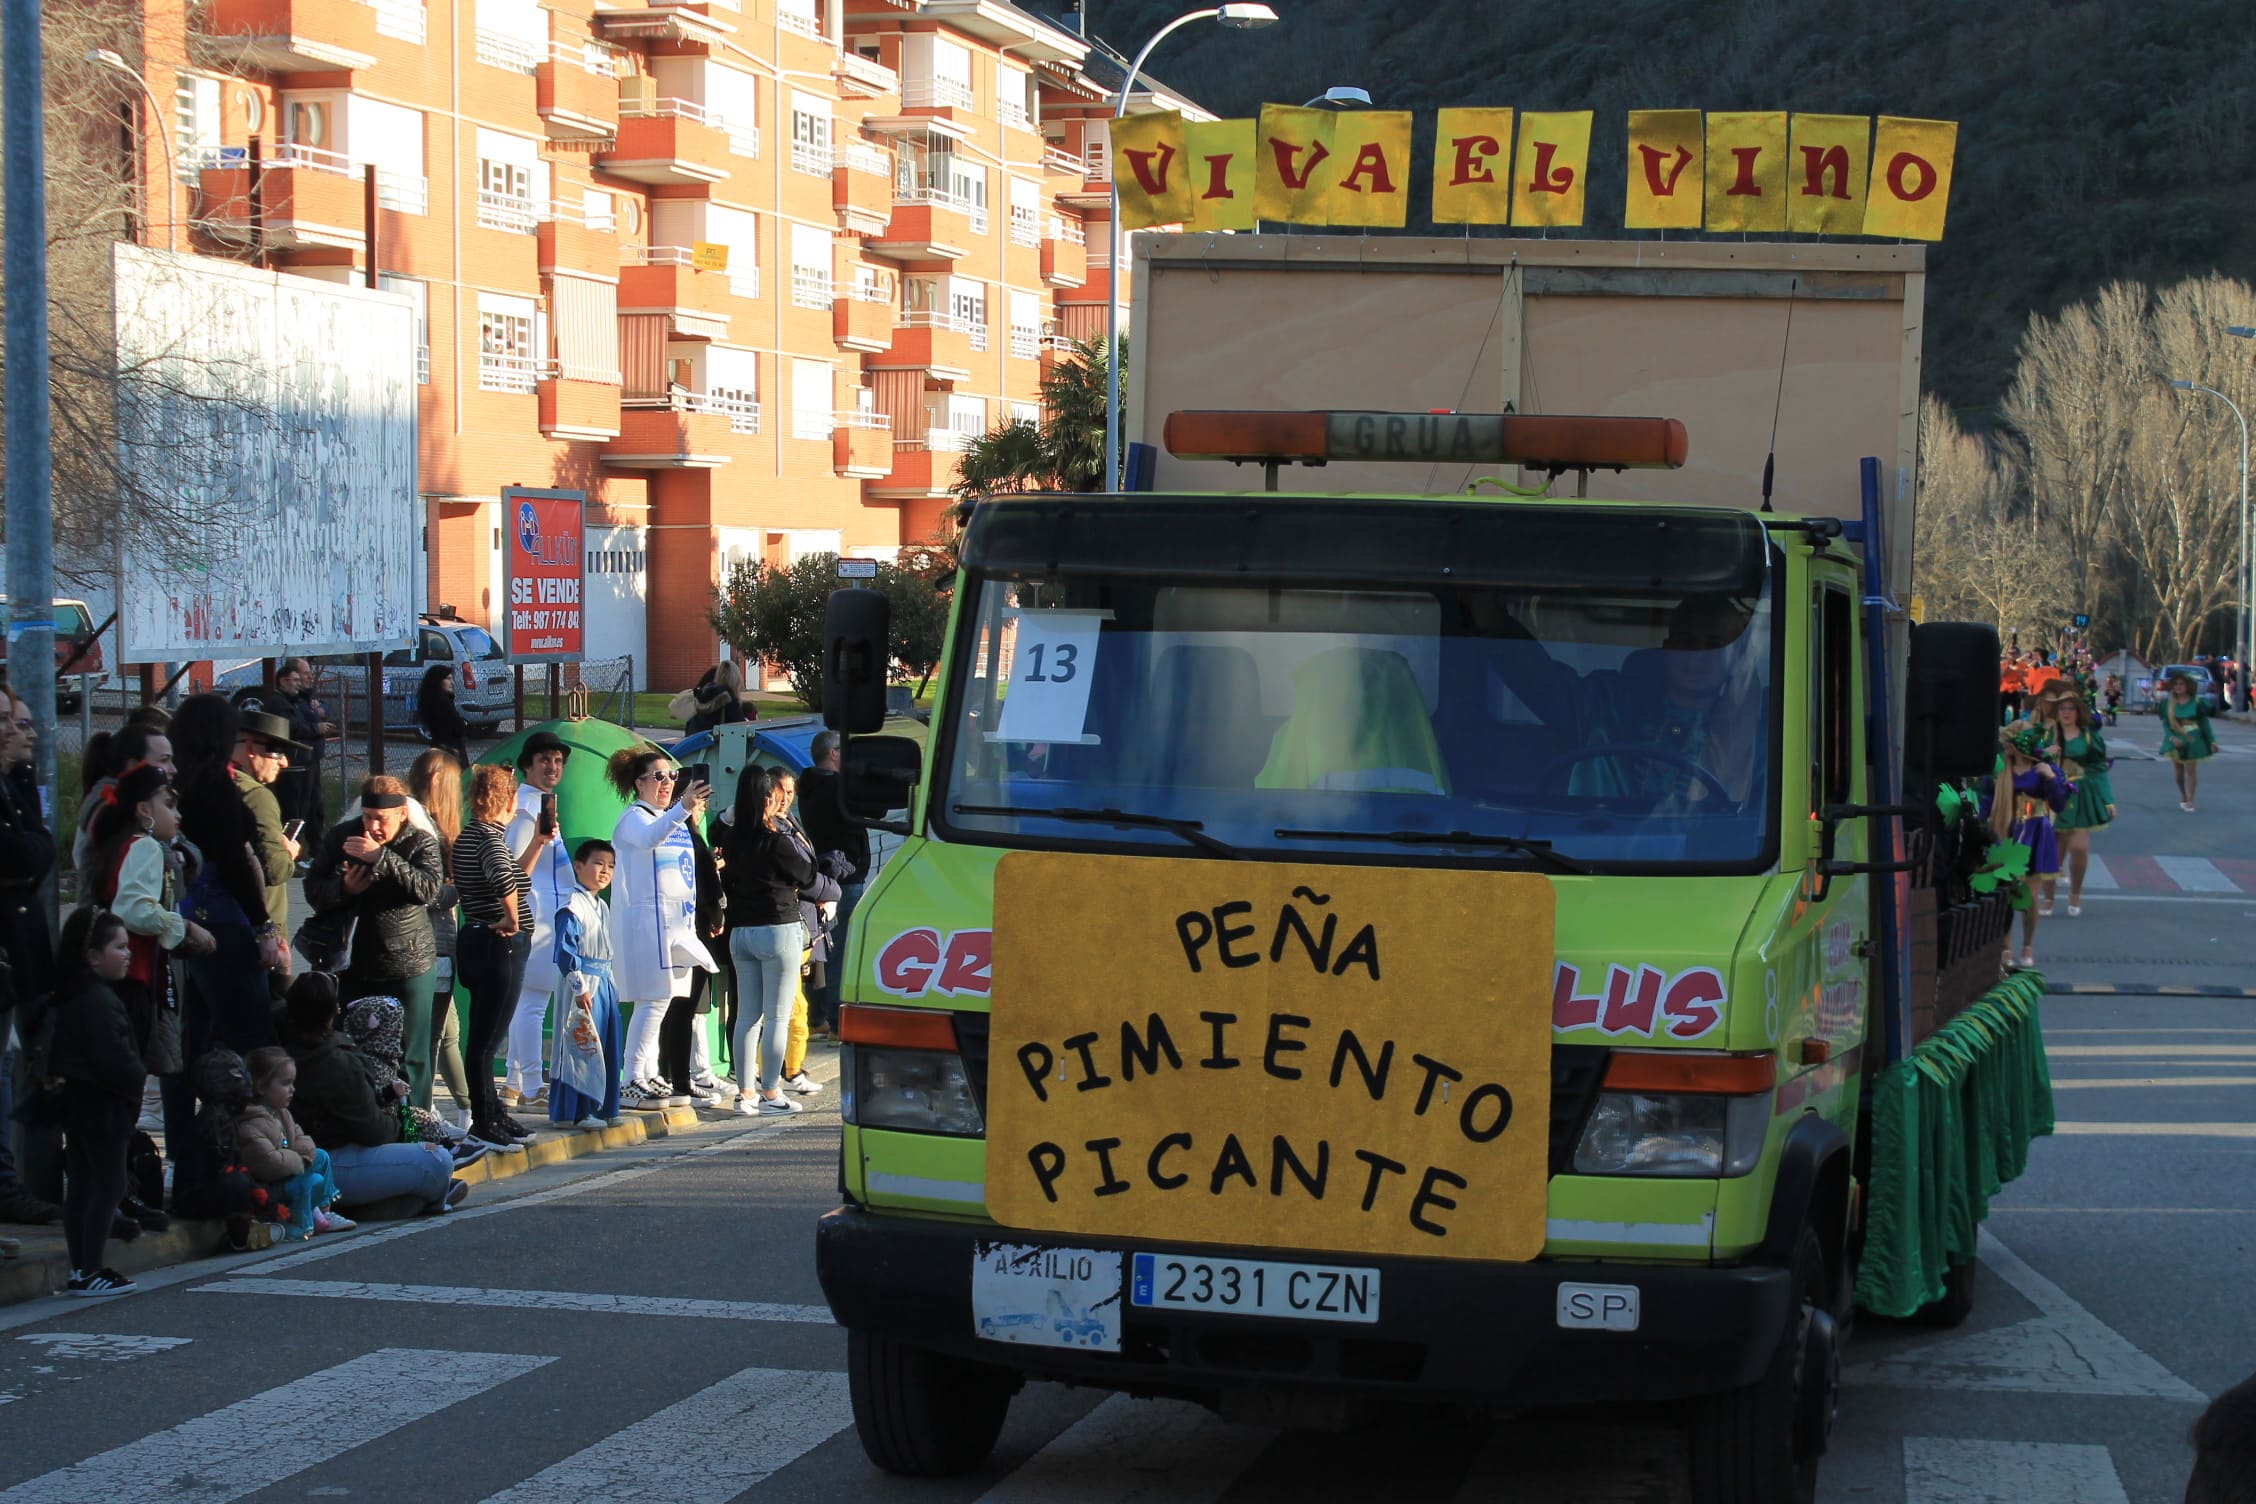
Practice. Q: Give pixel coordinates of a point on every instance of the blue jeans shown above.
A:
(825, 1000)
(364, 1173)
(766, 957)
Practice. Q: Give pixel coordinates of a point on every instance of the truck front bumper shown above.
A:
(1450, 1332)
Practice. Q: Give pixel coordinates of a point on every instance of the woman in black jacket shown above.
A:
(382, 874)
(762, 871)
(438, 715)
(90, 1047)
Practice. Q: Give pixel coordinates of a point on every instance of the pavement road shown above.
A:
(649, 1322)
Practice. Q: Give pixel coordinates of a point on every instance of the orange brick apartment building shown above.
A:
(910, 196)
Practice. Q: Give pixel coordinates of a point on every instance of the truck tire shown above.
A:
(1760, 1443)
(1958, 1298)
(920, 1414)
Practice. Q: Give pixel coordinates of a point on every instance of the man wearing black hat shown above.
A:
(538, 844)
(263, 750)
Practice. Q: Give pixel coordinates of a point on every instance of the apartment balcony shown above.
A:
(861, 188)
(686, 431)
(1053, 349)
(576, 90)
(662, 279)
(940, 344)
(567, 242)
(864, 77)
(577, 404)
(925, 465)
(665, 141)
(861, 445)
(308, 198)
(861, 318)
(290, 36)
(929, 224)
(938, 98)
(1065, 254)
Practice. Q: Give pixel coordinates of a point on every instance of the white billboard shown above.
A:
(272, 420)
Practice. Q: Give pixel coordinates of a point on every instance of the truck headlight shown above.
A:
(1673, 1134)
(909, 1091)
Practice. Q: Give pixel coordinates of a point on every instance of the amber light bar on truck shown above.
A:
(1552, 444)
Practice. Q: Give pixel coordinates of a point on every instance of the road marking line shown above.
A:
(2239, 898)
(2154, 1051)
(2130, 1211)
(1940, 1470)
(2196, 874)
(103, 1347)
(2064, 1349)
(2097, 879)
(594, 1302)
(257, 1442)
(2141, 874)
(2059, 1085)
(2158, 1130)
(1129, 1451)
(726, 1438)
(1563, 1463)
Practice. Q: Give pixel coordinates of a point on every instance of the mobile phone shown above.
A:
(548, 813)
(697, 772)
(293, 830)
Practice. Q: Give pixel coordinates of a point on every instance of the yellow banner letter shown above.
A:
(1472, 171)
(1372, 148)
(1911, 178)
(1825, 174)
(1293, 164)
(1664, 170)
(1152, 168)
(1746, 178)
(1221, 168)
(1548, 176)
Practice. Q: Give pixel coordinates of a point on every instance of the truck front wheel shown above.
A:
(1759, 1444)
(919, 1413)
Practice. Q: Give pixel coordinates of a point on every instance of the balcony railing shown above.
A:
(589, 57)
(1025, 227)
(744, 281)
(401, 192)
(742, 412)
(868, 73)
(602, 221)
(812, 157)
(1025, 343)
(861, 417)
(515, 54)
(879, 291)
(565, 370)
(946, 199)
(1012, 112)
(744, 137)
(800, 21)
(973, 329)
(1056, 159)
(687, 109)
(507, 373)
(401, 20)
(423, 365)
(860, 156)
(811, 425)
(512, 212)
(936, 94)
(949, 439)
(1067, 229)
(811, 288)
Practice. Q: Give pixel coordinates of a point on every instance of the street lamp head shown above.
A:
(1342, 97)
(107, 57)
(2244, 331)
(2183, 386)
(1246, 17)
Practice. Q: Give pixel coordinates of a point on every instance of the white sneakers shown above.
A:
(803, 1084)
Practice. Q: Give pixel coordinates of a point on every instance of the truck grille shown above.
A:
(1576, 1071)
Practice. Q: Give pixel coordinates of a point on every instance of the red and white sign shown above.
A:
(547, 575)
(1640, 1000)
(916, 962)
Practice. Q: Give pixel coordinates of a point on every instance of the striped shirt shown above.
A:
(485, 873)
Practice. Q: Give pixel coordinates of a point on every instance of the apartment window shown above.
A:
(1014, 94)
(732, 381)
(512, 34)
(195, 124)
(967, 306)
(586, 317)
(420, 294)
(507, 342)
(305, 122)
(596, 211)
(1029, 413)
(950, 422)
(810, 267)
(739, 230)
(810, 134)
(389, 138)
(950, 82)
(1025, 212)
(733, 96)
(508, 168)
(811, 399)
(1025, 325)
(401, 20)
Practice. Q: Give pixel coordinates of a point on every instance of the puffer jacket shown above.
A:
(394, 939)
(271, 1144)
(335, 1099)
(92, 1041)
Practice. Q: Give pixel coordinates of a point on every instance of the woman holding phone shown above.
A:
(536, 842)
(654, 939)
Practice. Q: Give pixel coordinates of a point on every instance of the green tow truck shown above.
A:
(1474, 948)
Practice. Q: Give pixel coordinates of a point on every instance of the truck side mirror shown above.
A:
(1951, 701)
(877, 777)
(857, 646)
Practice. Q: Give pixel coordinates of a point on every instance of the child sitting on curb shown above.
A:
(280, 1155)
(375, 1026)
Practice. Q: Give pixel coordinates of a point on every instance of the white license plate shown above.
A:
(1605, 1308)
(1046, 1297)
(1247, 1287)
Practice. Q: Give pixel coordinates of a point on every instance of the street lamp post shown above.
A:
(2240, 581)
(2247, 617)
(106, 58)
(1238, 17)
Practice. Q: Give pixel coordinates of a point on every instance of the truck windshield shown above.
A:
(1588, 712)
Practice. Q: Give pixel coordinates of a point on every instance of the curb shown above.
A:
(2141, 989)
(44, 1270)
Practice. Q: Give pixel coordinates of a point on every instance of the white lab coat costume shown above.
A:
(553, 885)
(654, 940)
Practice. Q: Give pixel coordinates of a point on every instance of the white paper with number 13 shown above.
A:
(1051, 665)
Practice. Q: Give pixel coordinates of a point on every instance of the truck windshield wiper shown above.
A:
(1193, 831)
(1524, 845)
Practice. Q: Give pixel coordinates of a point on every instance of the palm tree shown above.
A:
(1063, 453)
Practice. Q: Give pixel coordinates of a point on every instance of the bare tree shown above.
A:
(1983, 554)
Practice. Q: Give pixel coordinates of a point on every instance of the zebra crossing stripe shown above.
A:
(2097, 879)
(257, 1442)
(2196, 874)
(1129, 1451)
(1940, 1470)
(526, 1300)
(722, 1440)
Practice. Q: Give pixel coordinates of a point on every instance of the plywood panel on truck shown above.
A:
(1691, 330)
